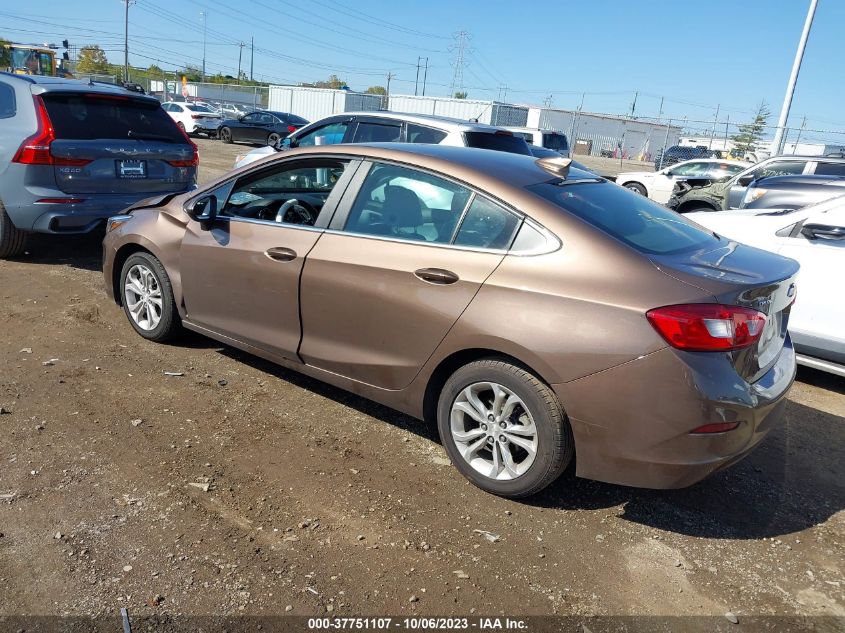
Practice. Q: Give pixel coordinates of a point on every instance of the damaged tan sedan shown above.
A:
(534, 311)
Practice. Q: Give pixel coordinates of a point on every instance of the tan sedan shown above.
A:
(532, 310)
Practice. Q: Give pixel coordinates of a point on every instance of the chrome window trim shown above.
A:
(399, 240)
(303, 227)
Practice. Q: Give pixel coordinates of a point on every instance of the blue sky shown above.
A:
(695, 54)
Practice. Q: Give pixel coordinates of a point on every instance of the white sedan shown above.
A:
(193, 118)
(658, 185)
(815, 237)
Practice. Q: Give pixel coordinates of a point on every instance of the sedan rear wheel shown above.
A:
(225, 135)
(503, 428)
(148, 297)
(273, 139)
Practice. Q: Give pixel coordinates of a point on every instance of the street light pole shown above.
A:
(240, 54)
(777, 144)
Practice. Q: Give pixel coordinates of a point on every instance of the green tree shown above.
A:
(461, 94)
(5, 54)
(749, 134)
(376, 90)
(92, 60)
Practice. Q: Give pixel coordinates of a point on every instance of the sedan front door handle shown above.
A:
(436, 276)
(281, 254)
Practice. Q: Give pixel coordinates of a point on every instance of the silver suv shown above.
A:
(396, 127)
(73, 153)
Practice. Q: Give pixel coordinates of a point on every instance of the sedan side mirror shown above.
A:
(204, 211)
(823, 232)
(746, 180)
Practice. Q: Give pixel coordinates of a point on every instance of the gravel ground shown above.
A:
(238, 487)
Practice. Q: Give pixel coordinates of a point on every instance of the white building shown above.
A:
(489, 112)
(606, 135)
(315, 103)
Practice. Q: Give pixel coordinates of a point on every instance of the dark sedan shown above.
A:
(262, 127)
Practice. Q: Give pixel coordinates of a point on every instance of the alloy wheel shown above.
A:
(493, 431)
(142, 294)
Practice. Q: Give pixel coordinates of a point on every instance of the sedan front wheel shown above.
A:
(503, 428)
(147, 298)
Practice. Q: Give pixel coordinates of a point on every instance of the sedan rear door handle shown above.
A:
(436, 276)
(281, 254)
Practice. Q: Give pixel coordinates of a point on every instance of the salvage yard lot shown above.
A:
(237, 487)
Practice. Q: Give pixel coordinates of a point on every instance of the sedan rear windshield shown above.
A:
(498, 142)
(296, 120)
(199, 108)
(89, 116)
(634, 219)
(555, 141)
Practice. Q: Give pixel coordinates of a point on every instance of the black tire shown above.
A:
(636, 187)
(273, 139)
(170, 324)
(12, 239)
(555, 445)
(225, 134)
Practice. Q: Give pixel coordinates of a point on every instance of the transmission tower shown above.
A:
(460, 48)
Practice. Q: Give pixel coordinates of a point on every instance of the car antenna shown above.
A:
(557, 166)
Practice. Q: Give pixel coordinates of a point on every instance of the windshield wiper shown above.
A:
(149, 137)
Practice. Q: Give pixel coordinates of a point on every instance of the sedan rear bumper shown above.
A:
(632, 424)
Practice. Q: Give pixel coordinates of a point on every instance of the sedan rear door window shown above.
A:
(407, 204)
(369, 132)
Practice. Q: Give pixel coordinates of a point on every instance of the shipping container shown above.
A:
(315, 103)
(489, 112)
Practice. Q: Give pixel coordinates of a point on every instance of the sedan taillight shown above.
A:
(708, 327)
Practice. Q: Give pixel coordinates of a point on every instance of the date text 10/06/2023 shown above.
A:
(417, 623)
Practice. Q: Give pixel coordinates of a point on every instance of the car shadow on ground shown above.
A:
(793, 481)
(77, 251)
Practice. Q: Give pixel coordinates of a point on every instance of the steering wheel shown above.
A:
(295, 212)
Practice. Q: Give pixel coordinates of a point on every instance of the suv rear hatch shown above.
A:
(116, 144)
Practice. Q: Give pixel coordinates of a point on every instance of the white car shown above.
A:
(658, 185)
(193, 118)
(815, 237)
(394, 127)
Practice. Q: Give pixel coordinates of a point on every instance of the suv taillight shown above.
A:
(35, 150)
(195, 160)
(708, 327)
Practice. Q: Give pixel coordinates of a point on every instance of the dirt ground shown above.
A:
(238, 487)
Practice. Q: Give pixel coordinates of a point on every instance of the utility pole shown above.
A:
(634, 104)
(417, 80)
(727, 125)
(251, 55)
(425, 75)
(126, 41)
(240, 54)
(660, 110)
(777, 144)
(204, 15)
(713, 131)
(390, 76)
(460, 49)
(572, 128)
(798, 138)
(665, 142)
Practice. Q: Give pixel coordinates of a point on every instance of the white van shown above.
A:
(550, 139)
